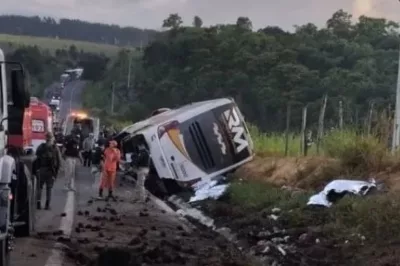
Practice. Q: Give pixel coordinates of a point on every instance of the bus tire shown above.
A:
(4, 253)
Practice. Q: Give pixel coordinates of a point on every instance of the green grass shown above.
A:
(342, 144)
(274, 143)
(257, 196)
(9, 42)
(377, 217)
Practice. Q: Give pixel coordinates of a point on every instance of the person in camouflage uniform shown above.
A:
(48, 161)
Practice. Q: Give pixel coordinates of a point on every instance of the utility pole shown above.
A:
(112, 98)
(129, 70)
(396, 120)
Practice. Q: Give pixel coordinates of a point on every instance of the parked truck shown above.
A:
(87, 124)
(17, 184)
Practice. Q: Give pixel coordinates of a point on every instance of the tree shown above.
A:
(354, 62)
(74, 29)
(197, 22)
(340, 23)
(244, 23)
(174, 21)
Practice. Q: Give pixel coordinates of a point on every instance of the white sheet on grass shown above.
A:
(356, 187)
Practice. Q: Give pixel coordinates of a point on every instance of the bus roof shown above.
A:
(162, 118)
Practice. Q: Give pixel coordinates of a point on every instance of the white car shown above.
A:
(54, 101)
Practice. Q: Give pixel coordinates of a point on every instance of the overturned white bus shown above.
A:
(201, 140)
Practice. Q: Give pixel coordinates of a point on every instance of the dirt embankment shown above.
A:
(312, 173)
(266, 208)
(297, 172)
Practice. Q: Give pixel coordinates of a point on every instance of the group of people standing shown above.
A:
(49, 157)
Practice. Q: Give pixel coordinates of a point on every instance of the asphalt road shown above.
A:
(35, 251)
(71, 97)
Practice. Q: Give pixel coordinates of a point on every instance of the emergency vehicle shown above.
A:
(24, 140)
(42, 121)
(198, 141)
(88, 124)
(17, 184)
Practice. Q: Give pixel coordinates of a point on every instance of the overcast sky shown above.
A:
(150, 13)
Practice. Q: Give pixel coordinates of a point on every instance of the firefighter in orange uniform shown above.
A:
(112, 157)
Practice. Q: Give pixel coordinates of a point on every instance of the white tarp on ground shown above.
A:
(356, 187)
(208, 190)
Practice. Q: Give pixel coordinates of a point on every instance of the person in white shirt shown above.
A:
(88, 146)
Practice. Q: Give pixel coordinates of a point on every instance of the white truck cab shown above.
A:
(14, 98)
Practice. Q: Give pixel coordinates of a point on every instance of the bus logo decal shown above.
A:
(236, 129)
(219, 139)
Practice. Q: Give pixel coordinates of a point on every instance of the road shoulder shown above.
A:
(125, 233)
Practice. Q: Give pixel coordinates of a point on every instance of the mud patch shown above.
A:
(126, 233)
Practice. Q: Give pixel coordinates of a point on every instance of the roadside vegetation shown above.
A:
(45, 66)
(73, 30)
(13, 42)
(353, 230)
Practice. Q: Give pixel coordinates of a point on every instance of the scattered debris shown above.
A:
(208, 189)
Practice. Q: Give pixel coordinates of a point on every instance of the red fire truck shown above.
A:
(25, 139)
(41, 117)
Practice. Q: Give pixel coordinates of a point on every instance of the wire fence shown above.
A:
(312, 133)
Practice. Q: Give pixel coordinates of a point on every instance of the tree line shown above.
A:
(74, 29)
(354, 64)
(44, 68)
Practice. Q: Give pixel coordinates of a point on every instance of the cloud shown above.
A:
(151, 13)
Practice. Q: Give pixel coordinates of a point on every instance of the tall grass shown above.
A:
(336, 143)
(273, 144)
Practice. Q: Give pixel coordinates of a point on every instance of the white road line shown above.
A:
(57, 257)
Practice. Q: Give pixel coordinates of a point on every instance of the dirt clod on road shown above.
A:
(126, 234)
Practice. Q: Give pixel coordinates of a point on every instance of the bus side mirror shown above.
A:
(2, 124)
(18, 92)
(18, 85)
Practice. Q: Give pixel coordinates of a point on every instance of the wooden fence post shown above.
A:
(288, 111)
(303, 139)
(320, 132)
(340, 115)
